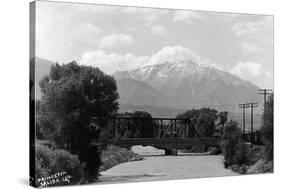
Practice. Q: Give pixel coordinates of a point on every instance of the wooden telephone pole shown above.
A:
(264, 92)
(243, 122)
(252, 105)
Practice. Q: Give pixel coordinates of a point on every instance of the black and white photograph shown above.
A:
(122, 94)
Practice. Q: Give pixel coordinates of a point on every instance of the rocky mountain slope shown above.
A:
(184, 84)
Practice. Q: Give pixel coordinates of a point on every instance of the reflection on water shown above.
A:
(167, 167)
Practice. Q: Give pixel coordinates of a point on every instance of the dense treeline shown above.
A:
(238, 152)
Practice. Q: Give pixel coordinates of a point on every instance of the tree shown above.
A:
(223, 117)
(203, 119)
(143, 125)
(72, 95)
(267, 128)
(45, 126)
(222, 121)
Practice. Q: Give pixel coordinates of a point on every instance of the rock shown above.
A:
(214, 151)
(242, 169)
(261, 166)
(234, 168)
(136, 158)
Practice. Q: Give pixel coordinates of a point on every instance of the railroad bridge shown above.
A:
(169, 134)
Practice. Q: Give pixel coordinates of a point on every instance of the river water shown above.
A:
(161, 167)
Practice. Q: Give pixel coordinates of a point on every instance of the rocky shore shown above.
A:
(115, 155)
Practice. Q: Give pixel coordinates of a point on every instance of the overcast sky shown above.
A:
(123, 38)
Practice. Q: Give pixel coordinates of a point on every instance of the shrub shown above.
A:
(235, 150)
(232, 135)
(243, 153)
(49, 162)
(91, 156)
(268, 151)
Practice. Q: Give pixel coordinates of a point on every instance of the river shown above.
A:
(159, 167)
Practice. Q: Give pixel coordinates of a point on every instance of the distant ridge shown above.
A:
(42, 68)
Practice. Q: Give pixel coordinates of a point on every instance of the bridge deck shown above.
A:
(167, 143)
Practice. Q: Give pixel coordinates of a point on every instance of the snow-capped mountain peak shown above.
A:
(187, 82)
(177, 71)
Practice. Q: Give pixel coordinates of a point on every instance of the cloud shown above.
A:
(87, 30)
(158, 30)
(149, 15)
(63, 33)
(243, 69)
(111, 62)
(66, 40)
(251, 71)
(242, 28)
(264, 25)
(173, 54)
(186, 16)
(249, 48)
(113, 40)
(152, 17)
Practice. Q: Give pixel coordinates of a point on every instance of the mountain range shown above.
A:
(183, 84)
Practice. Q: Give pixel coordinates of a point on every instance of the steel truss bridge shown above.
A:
(169, 134)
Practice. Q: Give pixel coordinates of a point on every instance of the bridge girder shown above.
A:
(169, 143)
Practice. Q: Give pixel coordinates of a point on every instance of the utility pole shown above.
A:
(252, 105)
(243, 122)
(264, 92)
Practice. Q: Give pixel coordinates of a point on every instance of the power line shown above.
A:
(218, 105)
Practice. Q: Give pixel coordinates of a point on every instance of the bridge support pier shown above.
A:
(173, 152)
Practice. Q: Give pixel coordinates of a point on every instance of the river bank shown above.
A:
(261, 166)
(114, 155)
(256, 162)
